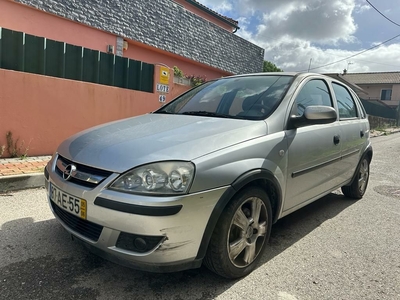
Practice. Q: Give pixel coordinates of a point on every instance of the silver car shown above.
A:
(204, 178)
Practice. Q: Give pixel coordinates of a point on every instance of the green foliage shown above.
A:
(380, 128)
(14, 148)
(178, 72)
(197, 80)
(270, 67)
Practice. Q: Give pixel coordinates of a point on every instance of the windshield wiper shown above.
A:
(164, 112)
(207, 114)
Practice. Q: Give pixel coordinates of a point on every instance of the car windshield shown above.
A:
(248, 97)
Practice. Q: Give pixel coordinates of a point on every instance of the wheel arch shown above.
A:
(368, 153)
(258, 178)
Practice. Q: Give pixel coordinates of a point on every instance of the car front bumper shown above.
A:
(177, 236)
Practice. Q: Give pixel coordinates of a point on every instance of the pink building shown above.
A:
(180, 33)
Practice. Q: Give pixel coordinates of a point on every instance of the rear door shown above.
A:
(354, 130)
(314, 152)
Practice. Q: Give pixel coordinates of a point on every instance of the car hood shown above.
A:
(122, 145)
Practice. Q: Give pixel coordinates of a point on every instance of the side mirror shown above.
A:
(314, 115)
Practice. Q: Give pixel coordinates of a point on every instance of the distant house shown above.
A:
(383, 87)
(181, 33)
(341, 77)
(379, 91)
(378, 86)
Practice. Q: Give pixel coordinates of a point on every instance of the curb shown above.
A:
(21, 182)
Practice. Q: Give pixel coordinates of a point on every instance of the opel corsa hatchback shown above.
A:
(203, 179)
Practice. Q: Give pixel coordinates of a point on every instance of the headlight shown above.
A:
(164, 178)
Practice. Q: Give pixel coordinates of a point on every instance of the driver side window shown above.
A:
(314, 92)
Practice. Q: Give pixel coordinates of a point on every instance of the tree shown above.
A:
(270, 67)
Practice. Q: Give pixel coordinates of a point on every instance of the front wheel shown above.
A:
(240, 235)
(359, 184)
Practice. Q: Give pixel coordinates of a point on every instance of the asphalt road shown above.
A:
(335, 248)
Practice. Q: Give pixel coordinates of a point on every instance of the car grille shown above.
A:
(88, 229)
(84, 175)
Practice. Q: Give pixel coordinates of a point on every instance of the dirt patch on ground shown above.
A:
(386, 131)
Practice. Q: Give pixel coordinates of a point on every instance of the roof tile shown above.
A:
(374, 78)
(213, 12)
(164, 25)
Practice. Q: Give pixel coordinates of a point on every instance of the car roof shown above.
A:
(294, 74)
(298, 75)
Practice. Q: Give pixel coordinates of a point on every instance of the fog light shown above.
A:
(140, 244)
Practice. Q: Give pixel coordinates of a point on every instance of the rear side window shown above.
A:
(314, 92)
(361, 109)
(347, 106)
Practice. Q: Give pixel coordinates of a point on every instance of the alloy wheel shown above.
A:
(247, 232)
(363, 176)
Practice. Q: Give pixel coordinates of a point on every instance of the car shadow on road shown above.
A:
(292, 228)
(44, 263)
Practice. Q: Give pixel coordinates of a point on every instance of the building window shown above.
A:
(386, 94)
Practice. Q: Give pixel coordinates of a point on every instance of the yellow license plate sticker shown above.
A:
(83, 209)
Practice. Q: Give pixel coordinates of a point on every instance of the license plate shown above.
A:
(68, 202)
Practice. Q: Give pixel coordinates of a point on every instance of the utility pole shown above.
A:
(309, 66)
(348, 64)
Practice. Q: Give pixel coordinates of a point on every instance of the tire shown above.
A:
(241, 234)
(359, 184)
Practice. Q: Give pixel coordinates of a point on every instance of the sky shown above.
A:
(302, 35)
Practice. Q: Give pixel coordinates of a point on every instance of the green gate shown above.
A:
(38, 55)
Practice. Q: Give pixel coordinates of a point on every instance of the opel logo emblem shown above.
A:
(69, 171)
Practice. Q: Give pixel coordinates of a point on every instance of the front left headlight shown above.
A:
(163, 178)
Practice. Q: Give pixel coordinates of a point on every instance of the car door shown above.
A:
(313, 150)
(353, 127)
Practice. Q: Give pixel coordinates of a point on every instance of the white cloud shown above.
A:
(295, 55)
(361, 8)
(224, 6)
(295, 31)
(219, 6)
(244, 31)
(311, 20)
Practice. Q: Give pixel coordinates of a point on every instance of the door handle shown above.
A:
(336, 139)
(362, 134)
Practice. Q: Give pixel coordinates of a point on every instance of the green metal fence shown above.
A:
(38, 55)
(379, 110)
